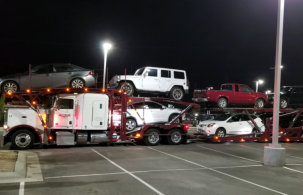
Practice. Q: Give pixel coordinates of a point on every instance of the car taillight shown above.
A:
(186, 127)
(117, 112)
(90, 73)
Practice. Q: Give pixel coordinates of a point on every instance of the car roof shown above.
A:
(162, 68)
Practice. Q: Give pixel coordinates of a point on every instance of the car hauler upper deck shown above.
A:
(82, 116)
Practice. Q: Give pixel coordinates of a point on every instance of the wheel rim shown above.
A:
(222, 103)
(128, 88)
(10, 86)
(77, 83)
(220, 133)
(153, 138)
(283, 104)
(177, 94)
(176, 137)
(130, 125)
(23, 140)
(260, 104)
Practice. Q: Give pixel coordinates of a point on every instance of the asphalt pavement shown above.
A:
(196, 168)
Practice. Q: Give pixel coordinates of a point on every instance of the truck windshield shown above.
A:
(139, 71)
(222, 117)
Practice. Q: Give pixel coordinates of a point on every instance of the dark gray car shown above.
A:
(49, 75)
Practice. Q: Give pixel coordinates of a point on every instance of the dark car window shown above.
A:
(165, 73)
(235, 118)
(152, 73)
(42, 69)
(64, 68)
(245, 88)
(222, 117)
(65, 104)
(244, 117)
(179, 75)
(236, 88)
(227, 87)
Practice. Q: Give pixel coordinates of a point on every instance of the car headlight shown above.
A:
(211, 125)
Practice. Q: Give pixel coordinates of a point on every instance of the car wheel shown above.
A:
(222, 103)
(283, 103)
(22, 139)
(11, 86)
(177, 93)
(171, 117)
(152, 138)
(175, 137)
(131, 124)
(255, 130)
(259, 103)
(128, 87)
(77, 83)
(220, 132)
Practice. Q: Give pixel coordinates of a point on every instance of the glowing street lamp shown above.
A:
(257, 84)
(106, 48)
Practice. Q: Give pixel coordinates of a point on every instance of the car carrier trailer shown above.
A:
(81, 116)
(286, 134)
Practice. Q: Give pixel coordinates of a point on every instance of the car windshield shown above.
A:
(139, 71)
(222, 117)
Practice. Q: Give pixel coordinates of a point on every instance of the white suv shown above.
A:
(167, 81)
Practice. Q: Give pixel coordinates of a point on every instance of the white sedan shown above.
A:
(235, 124)
(148, 112)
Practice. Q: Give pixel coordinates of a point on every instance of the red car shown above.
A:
(231, 93)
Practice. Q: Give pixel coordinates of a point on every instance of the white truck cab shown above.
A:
(172, 82)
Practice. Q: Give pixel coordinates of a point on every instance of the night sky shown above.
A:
(215, 41)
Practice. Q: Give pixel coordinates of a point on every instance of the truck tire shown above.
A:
(220, 132)
(128, 87)
(153, 138)
(283, 103)
(22, 139)
(260, 103)
(177, 93)
(175, 137)
(222, 102)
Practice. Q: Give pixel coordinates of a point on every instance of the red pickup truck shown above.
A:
(231, 93)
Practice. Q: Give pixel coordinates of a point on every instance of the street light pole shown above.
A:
(274, 154)
(257, 85)
(106, 48)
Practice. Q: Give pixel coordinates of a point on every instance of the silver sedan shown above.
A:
(49, 75)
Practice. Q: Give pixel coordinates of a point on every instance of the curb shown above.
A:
(1, 137)
(20, 168)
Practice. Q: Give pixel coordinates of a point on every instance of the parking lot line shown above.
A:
(88, 175)
(294, 170)
(131, 174)
(229, 154)
(21, 188)
(220, 172)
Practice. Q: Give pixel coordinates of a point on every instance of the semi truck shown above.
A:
(78, 117)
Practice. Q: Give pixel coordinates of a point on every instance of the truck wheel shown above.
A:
(283, 103)
(177, 93)
(153, 138)
(22, 139)
(178, 120)
(11, 86)
(220, 132)
(131, 124)
(259, 103)
(175, 137)
(128, 87)
(222, 103)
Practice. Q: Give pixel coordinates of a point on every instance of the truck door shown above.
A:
(63, 114)
(245, 95)
(99, 114)
(151, 80)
